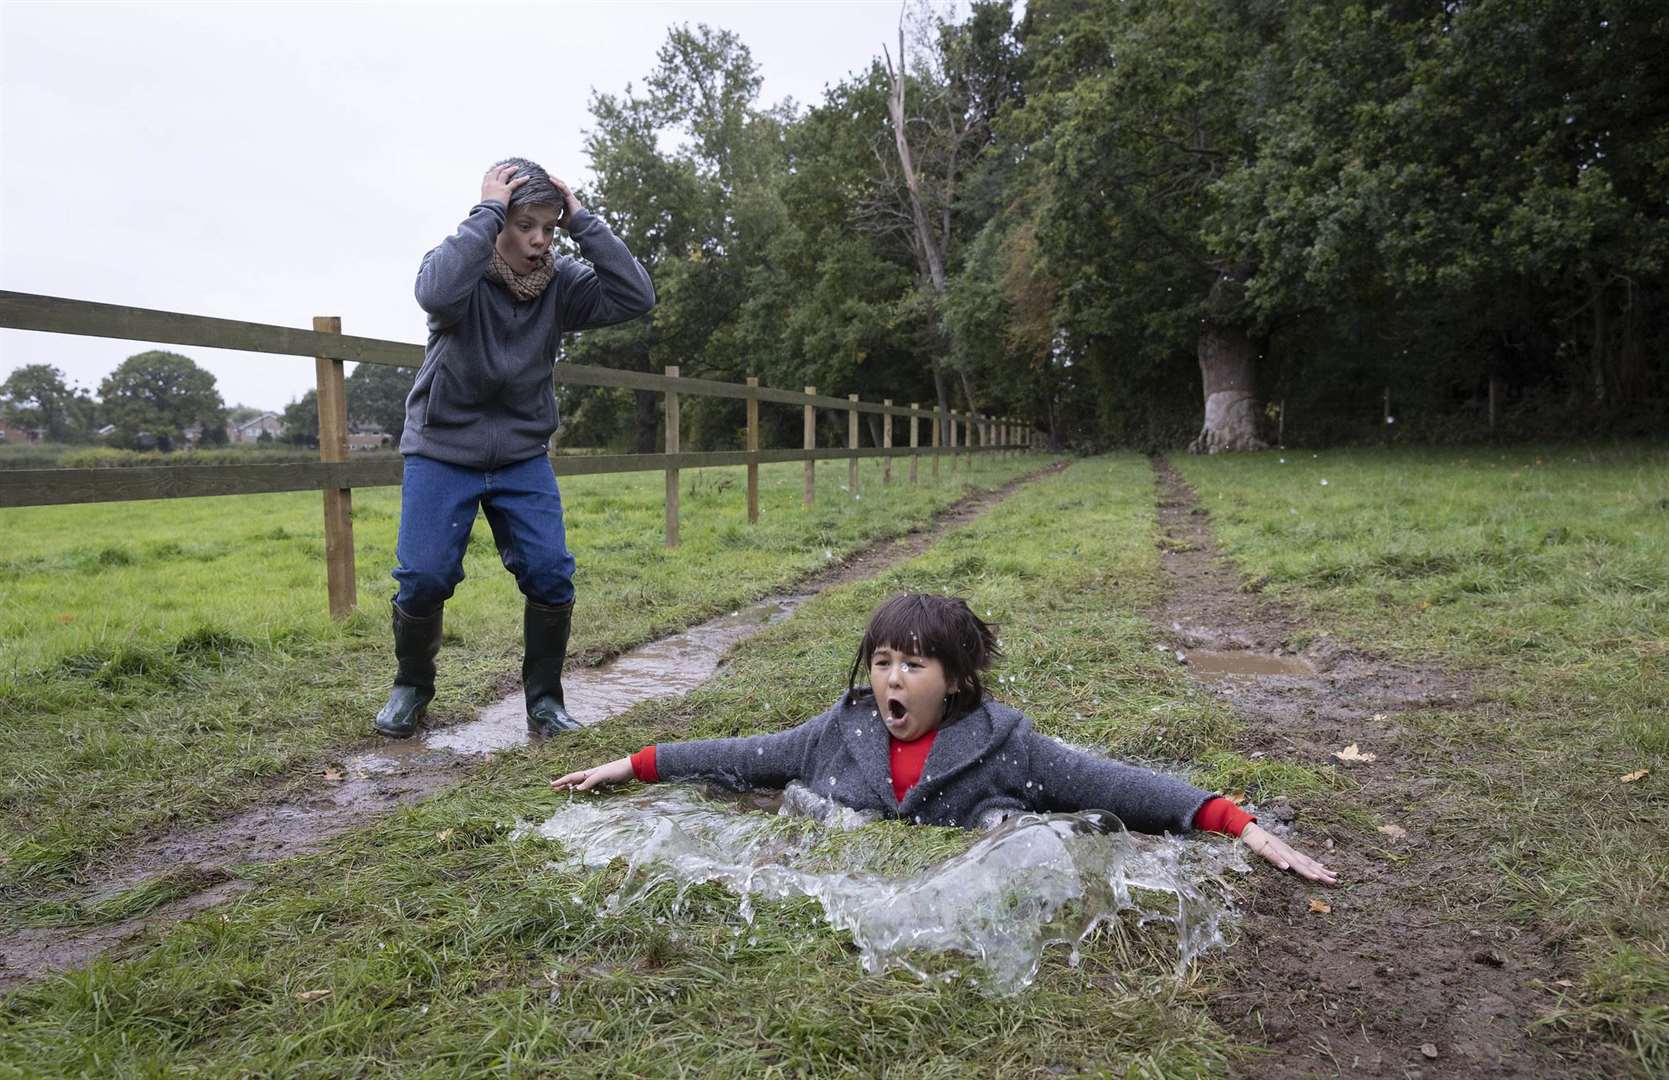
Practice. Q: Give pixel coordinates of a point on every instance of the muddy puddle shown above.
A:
(1213, 664)
(988, 915)
(670, 667)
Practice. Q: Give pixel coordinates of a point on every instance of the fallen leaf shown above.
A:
(1423, 605)
(1563, 982)
(1353, 753)
(1395, 832)
(334, 774)
(1321, 907)
(1429, 1049)
(66, 617)
(444, 835)
(1379, 718)
(1238, 798)
(1638, 774)
(313, 995)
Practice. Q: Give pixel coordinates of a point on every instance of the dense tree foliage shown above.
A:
(152, 398)
(1154, 222)
(35, 397)
(377, 399)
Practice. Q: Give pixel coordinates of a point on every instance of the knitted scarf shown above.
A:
(522, 286)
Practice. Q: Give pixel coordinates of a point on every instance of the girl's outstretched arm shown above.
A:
(614, 772)
(1283, 855)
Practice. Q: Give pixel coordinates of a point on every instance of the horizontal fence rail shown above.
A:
(336, 476)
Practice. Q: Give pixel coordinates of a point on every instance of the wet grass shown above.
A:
(435, 944)
(166, 662)
(1546, 572)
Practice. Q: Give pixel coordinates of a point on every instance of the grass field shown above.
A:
(1545, 571)
(442, 941)
(160, 660)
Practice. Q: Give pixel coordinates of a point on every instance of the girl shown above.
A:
(922, 741)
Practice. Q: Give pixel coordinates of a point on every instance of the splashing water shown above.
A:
(1031, 882)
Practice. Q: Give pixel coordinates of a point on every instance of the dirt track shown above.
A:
(1409, 974)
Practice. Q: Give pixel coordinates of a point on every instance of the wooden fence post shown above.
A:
(953, 435)
(914, 441)
(811, 444)
(333, 446)
(852, 444)
(672, 448)
(753, 448)
(886, 442)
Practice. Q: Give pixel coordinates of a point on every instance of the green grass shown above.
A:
(1546, 573)
(160, 662)
(447, 947)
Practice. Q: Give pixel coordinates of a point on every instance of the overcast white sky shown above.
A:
(275, 161)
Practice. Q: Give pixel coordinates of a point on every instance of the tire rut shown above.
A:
(1385, 983)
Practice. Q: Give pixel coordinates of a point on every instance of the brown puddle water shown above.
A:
(1213, 664)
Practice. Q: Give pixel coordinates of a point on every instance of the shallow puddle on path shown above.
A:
(1216, 664)
(667, 668)
(1033, 882)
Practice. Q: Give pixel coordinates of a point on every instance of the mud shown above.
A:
(380, 778)
(1387, 983)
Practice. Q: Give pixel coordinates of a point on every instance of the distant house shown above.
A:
(106, 431)
(367, 440)
(12, 435)
(251, 430)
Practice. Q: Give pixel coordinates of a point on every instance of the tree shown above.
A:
(377, 398)
(36, 396)
(160, 394)
(301, 420)
(963, 75)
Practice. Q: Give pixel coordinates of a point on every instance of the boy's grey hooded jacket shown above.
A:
(483, 397)
(984, 766)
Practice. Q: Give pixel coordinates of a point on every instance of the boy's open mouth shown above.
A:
(896, 709)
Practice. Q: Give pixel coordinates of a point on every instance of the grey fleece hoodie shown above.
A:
(483, 397)
(983, 766)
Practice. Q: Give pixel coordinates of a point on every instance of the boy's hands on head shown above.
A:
(570, 205)
(500, 183)
(615, 772)
(1279, 852)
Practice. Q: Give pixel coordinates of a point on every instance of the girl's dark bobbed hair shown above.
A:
(942, 628)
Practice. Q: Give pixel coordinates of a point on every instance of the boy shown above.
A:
(479, 420)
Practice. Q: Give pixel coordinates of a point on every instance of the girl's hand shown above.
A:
(570, 205)
(615, 772)
(1280, 853)
(499, 183)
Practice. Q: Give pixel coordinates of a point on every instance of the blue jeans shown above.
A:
(437, 511)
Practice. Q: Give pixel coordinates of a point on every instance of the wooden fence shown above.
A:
(337, 476)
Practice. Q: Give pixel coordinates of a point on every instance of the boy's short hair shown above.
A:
(538, 191)
(942, 628)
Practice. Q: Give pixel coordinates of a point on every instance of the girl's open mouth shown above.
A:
(896, 709)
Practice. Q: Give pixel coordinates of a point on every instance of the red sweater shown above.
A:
(907, 758)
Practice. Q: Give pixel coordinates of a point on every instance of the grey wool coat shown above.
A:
(984, 766)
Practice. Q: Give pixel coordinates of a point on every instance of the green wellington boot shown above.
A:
(416, 643)
(545, 640)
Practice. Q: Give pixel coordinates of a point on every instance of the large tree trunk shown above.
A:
(1229, 368)
(1229, 365)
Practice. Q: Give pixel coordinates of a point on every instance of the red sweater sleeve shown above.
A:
(1221, 815)
(643, 766)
